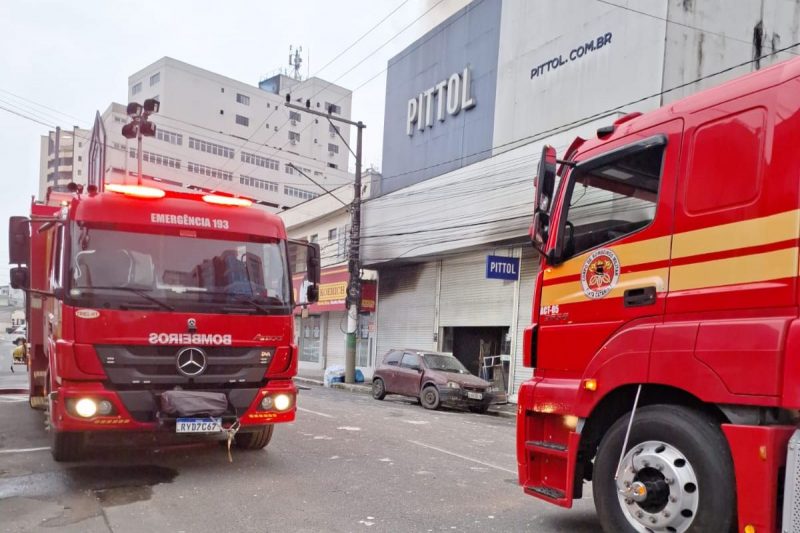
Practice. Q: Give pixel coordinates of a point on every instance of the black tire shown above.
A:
(429, 397)
(254, 440)
(479, 409)
(67, 446)
(378, 389)
(698, 439)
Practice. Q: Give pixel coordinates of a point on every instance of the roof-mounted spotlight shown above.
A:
(151, 105)
(134, 109)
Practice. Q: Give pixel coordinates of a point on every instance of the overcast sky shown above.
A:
(75, 58)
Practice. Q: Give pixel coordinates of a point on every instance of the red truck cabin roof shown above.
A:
(187, 214)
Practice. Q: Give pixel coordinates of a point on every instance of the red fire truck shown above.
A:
(158, 311)
(665, 340)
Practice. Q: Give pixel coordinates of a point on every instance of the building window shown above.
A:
(333, 130)
(157, 159)
(211, 148)
(242, 99)
(294, 116)
(332, 234)
(333, 108)
(221, 112)
(289, 169)
(265, 185)
(260, 161)
(299, 193)
(333, 148)
(155, 78)
(317, 173)
(80, 158)
(136, 88)
(209, 171)
(313, 238)
(242, 121)
(294, 136)
(333, 165)
(169, 136)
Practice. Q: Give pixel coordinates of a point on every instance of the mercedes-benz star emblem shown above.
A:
(191, 362)
(191, 324)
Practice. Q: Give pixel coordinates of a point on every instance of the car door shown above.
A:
(388, 370)
(409, 374)
(614, 238)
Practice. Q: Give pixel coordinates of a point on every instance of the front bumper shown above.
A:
(137, 410)
(459, 397)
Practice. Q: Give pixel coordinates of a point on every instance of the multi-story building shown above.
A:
(469, 106)
(72, 145)
(216, 133)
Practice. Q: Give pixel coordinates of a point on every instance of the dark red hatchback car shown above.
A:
(435, 378)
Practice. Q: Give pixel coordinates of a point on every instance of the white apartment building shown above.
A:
(72, 146)
(219, 134)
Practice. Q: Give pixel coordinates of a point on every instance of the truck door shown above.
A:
(613, 237)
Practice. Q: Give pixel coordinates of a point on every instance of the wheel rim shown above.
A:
(429, 396)
(657, 488)
(377, 387)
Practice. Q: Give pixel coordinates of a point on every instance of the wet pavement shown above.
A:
(349, 463)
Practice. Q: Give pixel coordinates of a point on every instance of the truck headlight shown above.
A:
(86, 407)
(266, 403)
(453, 385)
(282, 402)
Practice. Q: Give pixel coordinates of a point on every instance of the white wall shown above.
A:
(622, 70)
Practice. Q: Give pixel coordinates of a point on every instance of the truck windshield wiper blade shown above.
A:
(245, 299)
(138, 292)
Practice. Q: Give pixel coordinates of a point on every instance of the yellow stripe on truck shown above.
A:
(629, 254)
(572, 291)
(735, 270)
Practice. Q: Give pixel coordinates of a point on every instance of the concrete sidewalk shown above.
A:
(315, 378)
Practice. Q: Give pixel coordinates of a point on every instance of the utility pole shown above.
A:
(354, 263)
(140, 127)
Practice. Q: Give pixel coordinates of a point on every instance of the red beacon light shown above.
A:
(139, 191)
(227, 200)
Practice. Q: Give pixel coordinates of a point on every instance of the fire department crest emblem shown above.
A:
(600, 273)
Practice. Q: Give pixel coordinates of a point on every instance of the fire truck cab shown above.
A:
(158, 312)
(665, 340)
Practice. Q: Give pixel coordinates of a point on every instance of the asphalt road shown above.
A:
(349, 463)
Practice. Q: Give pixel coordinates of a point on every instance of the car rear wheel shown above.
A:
(378, 389)
(254, 440)
(430, 397)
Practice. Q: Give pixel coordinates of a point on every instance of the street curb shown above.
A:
(363, 389)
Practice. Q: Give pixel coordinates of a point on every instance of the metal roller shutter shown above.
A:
(468, 298)
(406, 308)
(528, 270)
(335, 338)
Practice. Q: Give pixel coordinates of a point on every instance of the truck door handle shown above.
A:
(639, 297)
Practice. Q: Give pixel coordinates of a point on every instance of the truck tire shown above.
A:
(67, 446)
(254, 440)
(679, 461)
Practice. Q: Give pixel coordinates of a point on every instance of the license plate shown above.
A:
(198, 425)
(475, 395)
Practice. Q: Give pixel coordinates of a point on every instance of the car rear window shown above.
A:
(392, 358)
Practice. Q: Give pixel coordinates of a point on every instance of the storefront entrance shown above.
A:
(481, 350)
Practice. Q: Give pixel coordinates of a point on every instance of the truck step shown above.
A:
(39, 374)
(547, 492)
(553, 449)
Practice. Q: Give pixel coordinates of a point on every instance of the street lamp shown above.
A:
(140, 127)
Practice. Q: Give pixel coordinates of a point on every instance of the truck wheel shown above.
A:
(430, 397)
(254, 440)
(378, 389)
(67, 446)
(677, 470)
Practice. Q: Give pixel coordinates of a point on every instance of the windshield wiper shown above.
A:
(138, 292)
(243, 298)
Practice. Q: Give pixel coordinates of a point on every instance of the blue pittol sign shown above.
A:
(499, 267)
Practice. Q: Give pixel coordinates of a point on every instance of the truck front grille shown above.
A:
(155, 366)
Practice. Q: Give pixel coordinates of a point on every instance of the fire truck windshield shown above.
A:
(128, 270)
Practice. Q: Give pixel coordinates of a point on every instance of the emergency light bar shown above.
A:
(227, 200)
(140, 191)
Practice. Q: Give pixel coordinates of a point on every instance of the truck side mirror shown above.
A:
(312, 294)
(313, 263)
(545, 186)
(19, 240)
(20, 278)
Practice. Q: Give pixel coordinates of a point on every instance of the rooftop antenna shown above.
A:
(296, 61)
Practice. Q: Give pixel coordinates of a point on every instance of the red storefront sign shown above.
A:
(333, 291)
